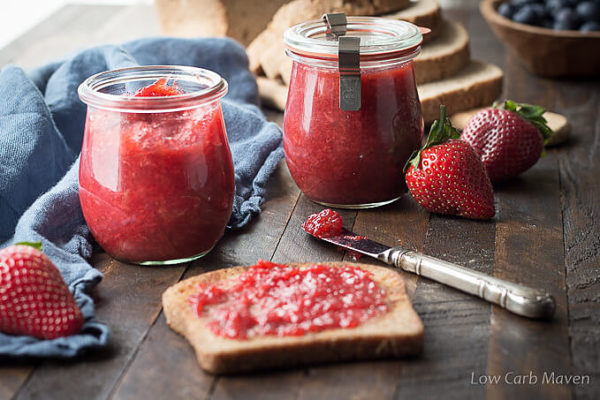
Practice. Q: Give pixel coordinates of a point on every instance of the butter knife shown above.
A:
(519, 299)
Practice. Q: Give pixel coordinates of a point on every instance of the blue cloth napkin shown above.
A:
(41, 132)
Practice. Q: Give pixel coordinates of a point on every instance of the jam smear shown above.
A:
(281, 300)
(327, 223)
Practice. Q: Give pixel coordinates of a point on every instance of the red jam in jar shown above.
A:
(156, 180)
(352, 159)
(281, 300)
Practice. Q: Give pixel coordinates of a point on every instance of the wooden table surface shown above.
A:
(546, 234)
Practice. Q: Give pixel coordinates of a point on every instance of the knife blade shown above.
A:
(519, 299)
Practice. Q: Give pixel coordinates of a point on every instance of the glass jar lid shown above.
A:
(114, 89)
(380, 38)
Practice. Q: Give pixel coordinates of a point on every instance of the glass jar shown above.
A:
(156, 180)
(352, 159)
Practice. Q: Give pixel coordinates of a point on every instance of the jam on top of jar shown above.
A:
(159, 88)
(281, 300)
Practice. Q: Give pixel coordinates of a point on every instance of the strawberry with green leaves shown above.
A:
(446, 176)
(509, 138)
(34, 298)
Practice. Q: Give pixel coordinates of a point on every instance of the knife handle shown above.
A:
(519, 299)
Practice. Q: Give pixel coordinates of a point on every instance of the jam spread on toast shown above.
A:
(281, 300)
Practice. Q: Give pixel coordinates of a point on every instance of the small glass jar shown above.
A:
(352, 159)
(156, 180)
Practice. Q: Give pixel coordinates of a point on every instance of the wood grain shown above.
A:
(529, 251)
(580, 186)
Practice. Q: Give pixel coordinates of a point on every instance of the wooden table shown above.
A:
(546, 233)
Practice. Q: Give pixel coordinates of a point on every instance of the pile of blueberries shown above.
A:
(582, 15)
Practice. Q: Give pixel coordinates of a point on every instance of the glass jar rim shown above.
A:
(213, 88)
(381, 38)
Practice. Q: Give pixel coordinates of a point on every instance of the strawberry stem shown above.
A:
(531, 113)
(37, 245)
(441, 131)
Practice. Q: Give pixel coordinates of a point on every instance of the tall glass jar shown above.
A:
(352, 159)
(156, 180)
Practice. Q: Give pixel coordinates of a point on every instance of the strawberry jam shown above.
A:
(327, 223)
(158, 186)
(352, 159)
(280, 300)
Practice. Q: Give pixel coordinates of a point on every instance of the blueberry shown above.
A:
(520, 3)
(591, 26)
(566, 19)
(589, 11)
(548, 23)
(554, 5)
(527, 15)
(506, 10)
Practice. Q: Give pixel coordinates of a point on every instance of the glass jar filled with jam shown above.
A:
(156, 180)
(353, 116)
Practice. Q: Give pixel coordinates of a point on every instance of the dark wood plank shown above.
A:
(579, 164)
(164, 350)
(12, 377)
(529, 250)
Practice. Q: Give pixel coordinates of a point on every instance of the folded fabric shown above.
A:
(41, 131)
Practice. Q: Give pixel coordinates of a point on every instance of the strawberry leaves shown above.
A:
(441, 131)
(531, 113)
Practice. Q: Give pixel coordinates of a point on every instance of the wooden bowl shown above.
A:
(546, 52)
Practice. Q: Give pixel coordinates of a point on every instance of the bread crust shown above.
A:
(397, 333)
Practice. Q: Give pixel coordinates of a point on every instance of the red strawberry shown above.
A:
(447, 177)
(34, 299)
(509, 138)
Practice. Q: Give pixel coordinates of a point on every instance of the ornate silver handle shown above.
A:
(519, 299)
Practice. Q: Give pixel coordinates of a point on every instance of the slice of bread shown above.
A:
(397, 333)
(445, 55)
(424, 13)
(193, 18)
(267, 51)
(476, 85)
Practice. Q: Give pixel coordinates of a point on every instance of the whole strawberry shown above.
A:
(509, 138)
(34, 299)
(447, 177)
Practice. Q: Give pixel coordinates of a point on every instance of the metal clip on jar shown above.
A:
(156, 180)
(353, 115)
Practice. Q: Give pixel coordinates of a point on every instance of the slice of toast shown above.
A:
(397, 333)
(476, 85)
(445, 55)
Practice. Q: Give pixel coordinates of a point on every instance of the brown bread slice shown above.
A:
(476, 85)
(424, 13)
(445, 55)
(241, 20)
(397, 333)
